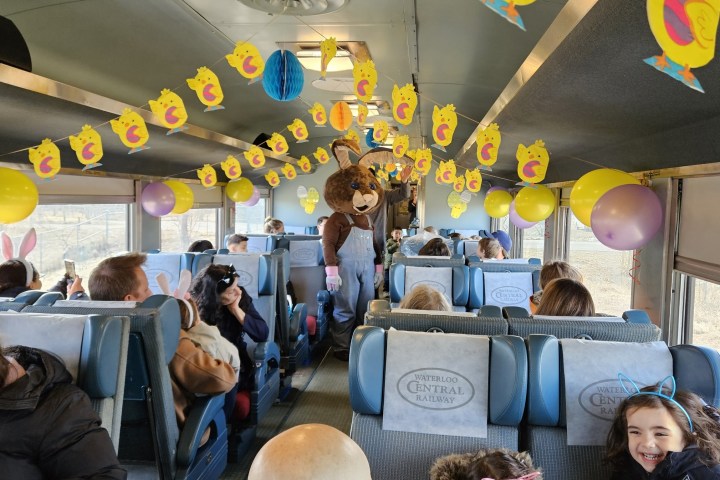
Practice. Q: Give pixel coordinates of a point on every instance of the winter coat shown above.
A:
(457, 466)
(685, 465)
(48, 429)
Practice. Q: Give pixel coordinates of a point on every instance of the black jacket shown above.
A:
(48, 429)
(685, 465)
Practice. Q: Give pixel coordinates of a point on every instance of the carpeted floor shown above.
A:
(319, 395)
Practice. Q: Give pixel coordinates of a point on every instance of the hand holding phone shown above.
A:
(70, 269)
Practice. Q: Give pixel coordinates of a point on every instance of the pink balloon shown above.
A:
(253, 200)
(492, 189)
(157, 199)
(626, 217)
(517, 220)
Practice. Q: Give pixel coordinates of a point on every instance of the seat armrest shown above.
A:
(298, 322)
(267, 360)
(205, 411)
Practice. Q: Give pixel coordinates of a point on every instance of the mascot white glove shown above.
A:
(333, 280)
(379, 276)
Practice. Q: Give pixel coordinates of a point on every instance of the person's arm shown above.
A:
(75, 445)
(330, 238)
(197, 372)
(254, 325)
(397, 194)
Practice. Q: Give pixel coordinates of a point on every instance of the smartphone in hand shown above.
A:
(70, 269)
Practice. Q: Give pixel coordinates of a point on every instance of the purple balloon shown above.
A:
(626, 217)
(492, 189)
(253, 200)
(157, 199)
(517, 220)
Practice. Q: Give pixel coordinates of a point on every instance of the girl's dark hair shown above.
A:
(705, 434)
(499, 465)
(13, 274)
(435, 247)
(203, 290)
(199, 246)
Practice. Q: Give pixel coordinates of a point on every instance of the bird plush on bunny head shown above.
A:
(353, 263)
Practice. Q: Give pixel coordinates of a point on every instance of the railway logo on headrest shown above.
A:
(435, 389)
(601, 399)
(508, 295)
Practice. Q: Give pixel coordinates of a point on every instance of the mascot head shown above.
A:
(353, 189)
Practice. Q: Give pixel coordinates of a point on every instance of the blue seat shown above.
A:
(94, 348)
(453, 281)
(477, 278)
(257, 242)
(488, 321)
(695, 368)
(21, 301)
(634, 326)
(150, 441)
(258, 274)
(408, 455)
(311, 230)
(170, 264)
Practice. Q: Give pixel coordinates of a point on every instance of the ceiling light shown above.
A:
(310, 59)
(295, 7)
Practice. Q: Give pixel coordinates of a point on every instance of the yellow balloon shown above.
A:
(240, 190)
(535, 204)
(497, 203)
(18, 196)
(184, 196)
(593, 185)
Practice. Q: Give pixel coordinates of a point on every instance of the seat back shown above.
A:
(555, 397)
(307, 269)
(409, 455)
(487, 322)
(257, 242)
(428, 260)
(502, 284)
(22, 300)
(150, 435)
(453, 282)
(94, 349)
(411, 246)
(169, 264)
(634, 326)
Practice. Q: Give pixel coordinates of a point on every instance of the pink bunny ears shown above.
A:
(26, 246)
(180, 292)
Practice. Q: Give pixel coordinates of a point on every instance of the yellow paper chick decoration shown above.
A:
(423, 161)
(411, 154)
(299, 130)
(328, 50)
(400, 145)
(170, 110)
(272, 178)
(447, 171)
(383, 175)
(459, 184)
(318, 114)
(438, 176)
(473, 180)
(458, 209)
(45, 159)
(309, 201)
(247, 60)
(404, 103)
(206, 86)
(289, 171)
(231, 167)
(532, 162)
(444, 124)
(207, 175)
(304, 164)
(365, 79)
(380, 131)
(278, 144)
(255, 156)
(414, 176)
(362, 114)
(321, 155)
(88, 147)
(353, 135)
(488, 145)
(131, 129)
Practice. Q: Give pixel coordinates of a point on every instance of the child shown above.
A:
(498, 464)
(564, 297)
(551, 271)
(391, 246)
(435, 247)
(661, 433)
(237, 243)
(424, 297)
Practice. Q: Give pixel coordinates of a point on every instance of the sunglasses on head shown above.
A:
(227, 280)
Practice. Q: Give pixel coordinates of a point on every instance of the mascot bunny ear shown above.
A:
(341, 150)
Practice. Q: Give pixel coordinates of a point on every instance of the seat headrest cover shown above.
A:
(366, 370)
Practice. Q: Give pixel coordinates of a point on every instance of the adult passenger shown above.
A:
(49, 429)
(237, 243)
(565, 297)
(435, 247)
(378, 217)
(222, 302)
(199, 246)
(490, 249)
(192, 370)
(424, 297)
(273, 226)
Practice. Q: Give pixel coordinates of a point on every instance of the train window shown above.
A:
(534, 241)
(606, 272)
(179, 231)
(250, 219)
(703, 312)
(84, 233)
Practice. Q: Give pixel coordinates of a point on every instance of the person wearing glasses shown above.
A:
(222, 302)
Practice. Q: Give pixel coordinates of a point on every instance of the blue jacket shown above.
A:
(685, 465)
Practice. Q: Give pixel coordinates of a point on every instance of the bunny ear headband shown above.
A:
(635, 391)
(529, 476)
(26, 246)
(180, 291)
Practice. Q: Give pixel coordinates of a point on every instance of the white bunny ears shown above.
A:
(180, 292)
(26, 246)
